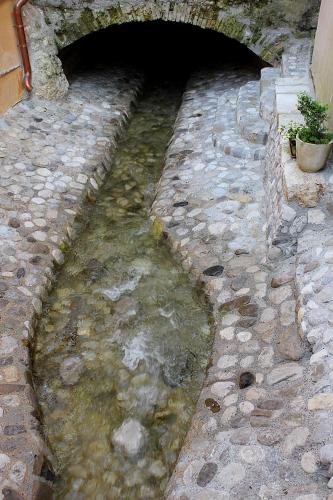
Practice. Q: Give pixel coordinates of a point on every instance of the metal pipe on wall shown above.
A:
(23, 44)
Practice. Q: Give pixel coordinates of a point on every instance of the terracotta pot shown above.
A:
(312, 157)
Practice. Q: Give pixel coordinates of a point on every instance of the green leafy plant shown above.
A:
(315, 117)
(290, 130)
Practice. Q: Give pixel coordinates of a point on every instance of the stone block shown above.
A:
(321, 401)
(304, 188)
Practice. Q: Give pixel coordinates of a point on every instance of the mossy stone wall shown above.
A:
(267, 27)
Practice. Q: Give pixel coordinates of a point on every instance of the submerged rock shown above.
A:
(175, 370)
(142, 267)
(130, 437)
(116, 292)
(125, 310)
(157, 469)
(71, 369)
(94, 270)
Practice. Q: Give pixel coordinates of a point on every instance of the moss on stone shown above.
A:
(204, 11)
(256, 35)
(63, 246)
(231, 27)
(157, 229)
(242, 20)
(273, 51)
(274, 13)
(234, 3)
(87, 22)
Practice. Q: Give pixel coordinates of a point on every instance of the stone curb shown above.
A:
(238, 438)
(53, 156)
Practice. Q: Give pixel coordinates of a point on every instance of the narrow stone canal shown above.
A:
(125, 337)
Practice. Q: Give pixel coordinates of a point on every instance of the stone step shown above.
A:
(231, 143)
(268, 77)
(251, 126)
(267, 92)
(226, 134)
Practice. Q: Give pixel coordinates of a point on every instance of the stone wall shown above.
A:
(267, 27)
(48, 78)
(288, 190)
(299, 213)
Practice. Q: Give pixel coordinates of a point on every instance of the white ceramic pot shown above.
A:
(312, 157)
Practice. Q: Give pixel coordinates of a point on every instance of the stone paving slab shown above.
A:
(255, 433)
(52, 155)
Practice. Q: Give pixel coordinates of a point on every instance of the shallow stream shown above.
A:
(124, 339)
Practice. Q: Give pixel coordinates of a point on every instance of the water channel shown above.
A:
(125, 337)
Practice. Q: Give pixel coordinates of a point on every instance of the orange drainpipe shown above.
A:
(23, 43)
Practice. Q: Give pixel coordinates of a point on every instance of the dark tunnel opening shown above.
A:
(161, 49)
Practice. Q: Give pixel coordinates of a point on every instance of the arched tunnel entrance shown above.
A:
(158, 48)
(126, 337)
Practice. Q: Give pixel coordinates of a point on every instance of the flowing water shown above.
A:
(124, 339)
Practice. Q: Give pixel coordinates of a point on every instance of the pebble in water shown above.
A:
(130, 437)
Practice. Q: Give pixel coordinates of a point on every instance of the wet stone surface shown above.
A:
(125, 338)
(210, 205)
(47, 166)
(252, 425)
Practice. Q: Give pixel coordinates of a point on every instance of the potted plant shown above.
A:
(313, 140)
(290, 132)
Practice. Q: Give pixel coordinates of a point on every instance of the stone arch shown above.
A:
(267, 27)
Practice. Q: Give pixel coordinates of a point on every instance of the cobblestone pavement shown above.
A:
(51, 156)
(255, 433)
(263, 426)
